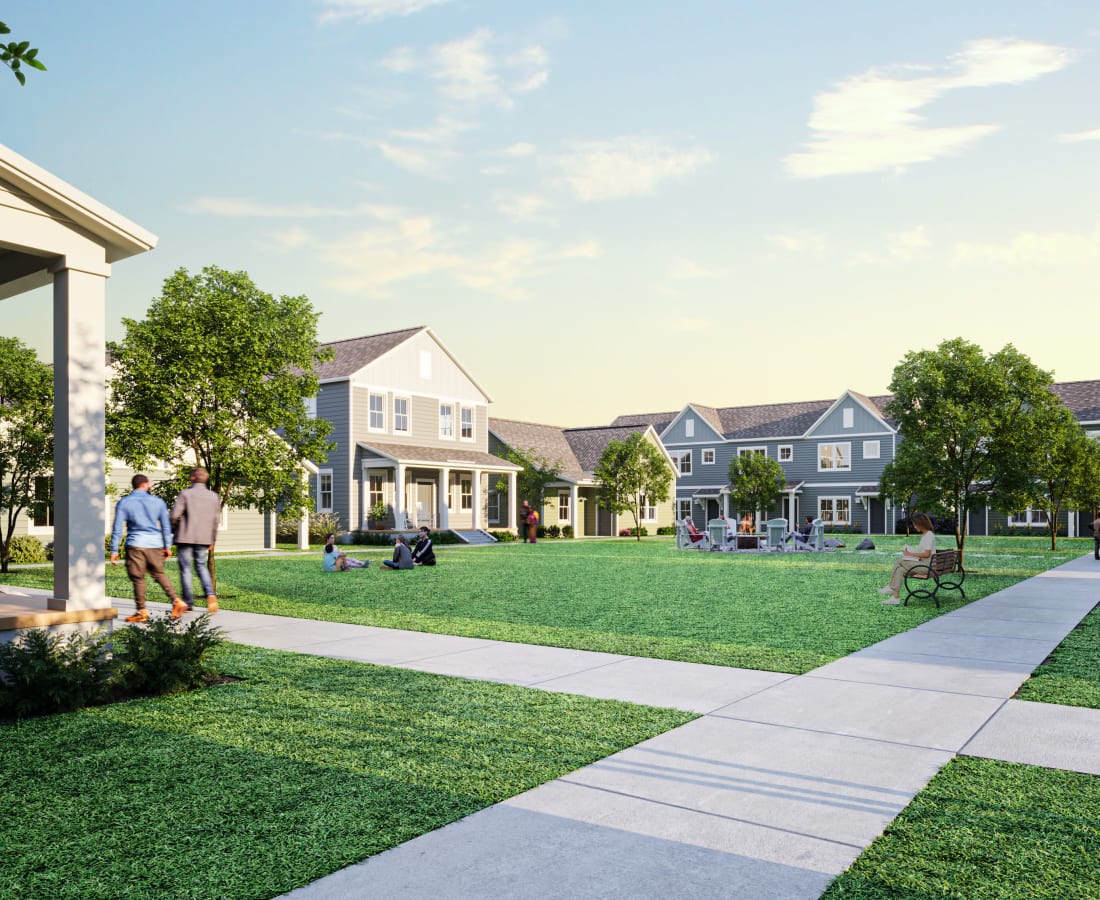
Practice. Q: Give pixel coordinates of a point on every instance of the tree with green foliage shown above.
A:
(17, 54)
(632, 473)
(26, 434)
(756, 482)
(538, 472)
(217, 375)
(1066, 468)
(970, 425)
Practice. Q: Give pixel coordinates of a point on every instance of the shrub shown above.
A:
(26, 549)
(540, 531)
(43, 672)
(286, 528)
(322, 524)
(165, 656)
(504, 537)
(666, 529)
(629, 532)
(567, 531)
(553, 531)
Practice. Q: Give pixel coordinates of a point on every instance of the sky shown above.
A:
(599, 207)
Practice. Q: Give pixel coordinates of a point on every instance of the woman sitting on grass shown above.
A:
(335, 561)
(402, 556)
(922, 556)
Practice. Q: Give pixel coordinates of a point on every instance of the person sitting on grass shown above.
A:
(422, 553)
(335, 561)
(402, 556)
(921, 556)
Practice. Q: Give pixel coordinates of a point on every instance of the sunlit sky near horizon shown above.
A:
(599, 207)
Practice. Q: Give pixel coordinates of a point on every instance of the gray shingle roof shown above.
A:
(354, 353)
(659, 421)
(546, 440)
(1082, 398)
(589, 443)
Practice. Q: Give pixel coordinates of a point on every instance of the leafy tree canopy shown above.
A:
(17, 54)
(538, 472)
(756, 482)
(632, 471)
(26, 433)
(971, 424)
(217, 375)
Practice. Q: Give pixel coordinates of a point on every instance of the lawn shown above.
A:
(1071, 675)
(779, 612)
(986, 830)
(253, 788)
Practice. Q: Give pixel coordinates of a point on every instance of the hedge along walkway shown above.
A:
(778, 787)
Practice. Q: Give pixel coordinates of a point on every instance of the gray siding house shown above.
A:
(833, 453)
(410, 427)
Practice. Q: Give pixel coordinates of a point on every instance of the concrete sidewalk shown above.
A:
(775, 790)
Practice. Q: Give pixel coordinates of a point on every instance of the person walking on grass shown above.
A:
(910, 557)
(148, 542)
(195, 517)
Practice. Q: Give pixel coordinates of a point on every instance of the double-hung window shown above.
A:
(835, 510)
(466, 493)
(42, 507)
(324, 491)
(683, 508)
(834, 457)
(563, 506)
(377, 420)
(685, 462)
(446, 420)
(466, 423)
(648, 511)
(401, 415)
(707, 456)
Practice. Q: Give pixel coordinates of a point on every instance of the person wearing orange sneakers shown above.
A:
(195, 517)
(148, 542)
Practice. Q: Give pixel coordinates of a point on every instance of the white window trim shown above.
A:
(370, 412)
(408, 414)
(462, 495)
(779, 452)
(834, 444)
(492, 507)
(321, 508)
(684, 455)
(1029, 520)
(563, 503)
(845, 497)
(680, 514)
(648, 512)
(29, 513)
(878, 449)
(473, 423)
(746, 451)
(439, 418)
(310, 404)
(703, 456)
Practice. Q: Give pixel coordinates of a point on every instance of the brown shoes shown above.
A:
(140, 616)
(211, 604)
(178, 608)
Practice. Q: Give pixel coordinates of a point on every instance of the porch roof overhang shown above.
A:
(793, 487)
(437, 457)
(708, 493)
(867, 490)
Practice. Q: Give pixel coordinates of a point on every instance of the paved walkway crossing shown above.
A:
(773, 791)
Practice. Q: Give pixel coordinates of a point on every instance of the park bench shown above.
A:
(943, 573)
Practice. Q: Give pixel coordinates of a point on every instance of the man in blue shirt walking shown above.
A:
(148, 542)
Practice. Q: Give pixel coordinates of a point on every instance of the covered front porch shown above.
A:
(404, 487)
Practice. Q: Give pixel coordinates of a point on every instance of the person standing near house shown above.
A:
(422, 553)
(524, 512)
(148, 542)
(921, 556)
(533, 525)
(1096, 538)
(195, 517)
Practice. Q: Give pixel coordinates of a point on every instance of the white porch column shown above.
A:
(79, 353)
(443, 499)
(400, 519)
(303, 523)
(475, 521)
(512, 500)
(574, 511)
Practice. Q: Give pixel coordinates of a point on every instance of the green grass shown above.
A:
(986, 830)
(779, 612)
(253, 788)
(1072, 674)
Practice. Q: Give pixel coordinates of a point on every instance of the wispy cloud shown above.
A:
(627, 166)
(871, 122)
(799, 242)
(901, 247)
(526, 207)
(240, 207)
(684, 269)
(417, 161)
(1033, 248)
(519, 150)
(371, 10)
(473, 70)
(1073, 137)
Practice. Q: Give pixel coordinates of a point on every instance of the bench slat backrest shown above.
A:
(943, 561)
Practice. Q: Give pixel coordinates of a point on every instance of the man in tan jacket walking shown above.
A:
(195, 517)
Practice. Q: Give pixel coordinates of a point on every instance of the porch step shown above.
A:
(474, 536)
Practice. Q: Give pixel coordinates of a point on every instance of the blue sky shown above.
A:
(600, 207)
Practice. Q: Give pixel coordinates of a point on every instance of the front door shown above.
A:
(425, 503)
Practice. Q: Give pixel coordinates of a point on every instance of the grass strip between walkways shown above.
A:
(782, 612)
(252, 788)
(986, 830)
(1071, 676)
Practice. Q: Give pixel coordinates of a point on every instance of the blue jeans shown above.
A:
(197, 554)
